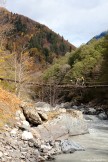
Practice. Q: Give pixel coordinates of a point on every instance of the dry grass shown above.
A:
(9, 103)
(74, 113)
(53, 114)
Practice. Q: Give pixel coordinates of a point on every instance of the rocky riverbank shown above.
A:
(41, 131)
(95, 143)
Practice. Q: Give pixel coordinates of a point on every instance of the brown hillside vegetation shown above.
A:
(27, 48)
(9, 103)
(18, 32)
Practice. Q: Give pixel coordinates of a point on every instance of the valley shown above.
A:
(53, 95)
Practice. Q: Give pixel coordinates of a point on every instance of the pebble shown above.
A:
(1, 154)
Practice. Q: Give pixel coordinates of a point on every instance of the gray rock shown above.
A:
(25, 125)
(45, 107)
(65, 105)
(13, 132)
(92, 111)
(32, 115)
(102, 116)
(75, 107)
(45, 148)
(43, 116)
(41, 158)
(57, 148)
(22, 117)
(1, 154)
(89, 111)
(69, 123)
(27, 135)
(68, 146)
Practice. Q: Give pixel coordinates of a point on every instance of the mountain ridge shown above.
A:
(23, 30)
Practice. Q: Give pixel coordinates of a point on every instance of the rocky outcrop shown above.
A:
(39, 133)
(14, 148)
(59, 122)
(36, 113)
(18, 145)
(32, 116)
(66, 124)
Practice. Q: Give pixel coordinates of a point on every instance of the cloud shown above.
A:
(76, 20)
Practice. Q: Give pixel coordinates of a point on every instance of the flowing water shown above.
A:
(95, 143)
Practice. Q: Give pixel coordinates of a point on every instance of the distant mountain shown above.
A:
(18, 32)
(101, 35)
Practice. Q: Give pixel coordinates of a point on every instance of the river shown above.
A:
(95, 143)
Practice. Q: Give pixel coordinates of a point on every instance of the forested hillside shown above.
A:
(101, 35)
(88, 65)
(27, 48)
(19, 33)
(89, 61)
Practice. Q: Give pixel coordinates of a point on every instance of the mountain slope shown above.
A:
(9, 103)
(89, 61)
(18, 32)
(101, 35)
(27, 48)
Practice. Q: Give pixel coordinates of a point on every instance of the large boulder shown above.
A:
(68, 146)
(32, 116)
(43, 106)
(102, 116)
(19, 115)
(35, 113)
(64, 124)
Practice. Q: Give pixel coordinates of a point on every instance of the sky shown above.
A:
(76, 20)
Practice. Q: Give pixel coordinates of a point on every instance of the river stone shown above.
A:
(89, 111)
(25, 125)
(92, 111)
(27, 135)
(69, 123)
(75, 107)
(1, 154)
(57, 148)
(68, 146)
(13, 132)
(102, 116)
(45, 148)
